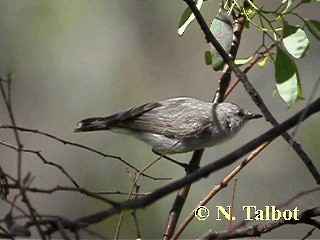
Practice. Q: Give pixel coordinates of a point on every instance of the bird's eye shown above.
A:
(240, 113)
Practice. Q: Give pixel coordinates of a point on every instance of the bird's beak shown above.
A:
(253, 116)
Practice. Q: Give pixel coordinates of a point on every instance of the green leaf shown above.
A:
(287, 78)
(247, 24)
(208, 57)
(221, 28)
(242, 61)
(263, 62)
(185, 15)
(314, 27)
(309, 1)
(26, 179)
(187, 18)
(295, 41)
(289, 3)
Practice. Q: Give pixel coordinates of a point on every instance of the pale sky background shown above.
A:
(78, 59)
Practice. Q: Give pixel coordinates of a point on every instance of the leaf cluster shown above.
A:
(291, 42)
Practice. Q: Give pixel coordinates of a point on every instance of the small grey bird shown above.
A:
(175, 125)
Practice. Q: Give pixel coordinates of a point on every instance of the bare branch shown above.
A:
(64, 189)
(305, 217)
(6, 98)
(43, 159)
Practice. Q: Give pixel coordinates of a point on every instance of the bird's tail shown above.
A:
(106, 123)
(93, 124)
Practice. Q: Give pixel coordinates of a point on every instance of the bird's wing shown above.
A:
(132, 113)
(173, 118)
(118, 119)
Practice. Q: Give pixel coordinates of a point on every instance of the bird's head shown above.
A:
(231, 117)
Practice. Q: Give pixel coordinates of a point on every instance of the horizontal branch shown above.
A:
(305, 217)
(66, 189)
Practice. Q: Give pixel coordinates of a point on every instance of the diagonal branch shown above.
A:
(181, 197)
(251, 90)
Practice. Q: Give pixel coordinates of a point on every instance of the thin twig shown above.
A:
(232, 202)
(13, 121)
(309, 233)
(43, 159)
(64, 189)
(65, 142)
(71, 189)
(135, 218)
(181, 197)
(217, 188)
(33, 212)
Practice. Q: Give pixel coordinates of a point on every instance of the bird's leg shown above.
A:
(184, 165)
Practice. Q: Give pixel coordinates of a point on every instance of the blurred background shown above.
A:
(77, 59)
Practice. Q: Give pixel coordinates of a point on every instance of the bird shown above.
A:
(176, 125)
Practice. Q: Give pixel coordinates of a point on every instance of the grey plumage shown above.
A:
(189, 123)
